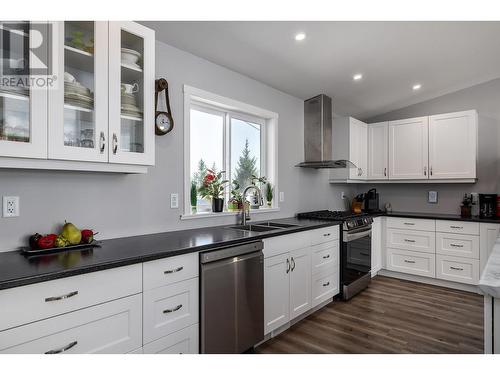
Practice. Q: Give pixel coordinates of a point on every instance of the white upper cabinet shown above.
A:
(78, 115)
(131, 93)
(408, 149)
(378, 151)
(453, 145)
(23, 110)
(358, 149)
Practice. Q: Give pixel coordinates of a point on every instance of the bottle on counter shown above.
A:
(475, 204)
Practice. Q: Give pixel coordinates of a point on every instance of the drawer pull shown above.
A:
(455, 245)
(326, 256)
(409, 261)
(326, 284)
(174, 270)
(456, 227)
(287, 265)
(411, 241)
(456, 268)
(409, 223)
(326, 234)
(63, 349)
(58, 298)
(176, 308)
(293, 263)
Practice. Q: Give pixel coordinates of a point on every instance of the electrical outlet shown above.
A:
(174, 200)
(342, 195)
(432, 197)
(10, 206)
(282, 196)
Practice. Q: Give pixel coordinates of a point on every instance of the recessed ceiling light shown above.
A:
(300, 36)
(357, 77)
(417, 86)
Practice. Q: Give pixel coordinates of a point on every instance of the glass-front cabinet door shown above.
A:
(131, 93)
(78, 108)
(23, 98)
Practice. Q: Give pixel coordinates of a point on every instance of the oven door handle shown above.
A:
(348, 237)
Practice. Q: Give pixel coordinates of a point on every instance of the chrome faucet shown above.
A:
(245, 214)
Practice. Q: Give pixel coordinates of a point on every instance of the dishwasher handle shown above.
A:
(230, 252)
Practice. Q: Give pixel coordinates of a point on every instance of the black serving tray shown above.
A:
(29, 251)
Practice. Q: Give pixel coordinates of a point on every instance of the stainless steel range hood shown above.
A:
(318, 135)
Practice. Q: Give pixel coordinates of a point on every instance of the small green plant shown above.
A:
(194, 195)
(269, 193)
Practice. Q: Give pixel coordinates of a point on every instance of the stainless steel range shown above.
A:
(355, 251)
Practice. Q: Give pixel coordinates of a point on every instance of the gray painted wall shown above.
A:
(124, 205)
(485, 98)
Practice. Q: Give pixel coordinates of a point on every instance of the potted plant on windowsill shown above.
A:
(194, 198)
(236, 201)
(213, 188)
(269, 194)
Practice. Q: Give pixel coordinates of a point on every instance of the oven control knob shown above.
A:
(350, 224)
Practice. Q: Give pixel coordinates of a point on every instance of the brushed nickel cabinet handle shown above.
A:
(326, 256)
(409, 261)
(102, 142)
(58, 298)
(178, 269)
(456, 227)
(63, 349)
(176, 308)
(326, 284)
(409, 223)
(425, 171)
(385, 172)
(115, 143)
(293, 263)
(455, 245)
(431, 170)
(326, 234)
(456, 268)
(411, 241)
(287, 265)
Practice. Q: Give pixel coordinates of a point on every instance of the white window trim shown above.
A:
(269, 144)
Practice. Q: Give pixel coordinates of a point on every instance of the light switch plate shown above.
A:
(10, 206)
(174, 200)
(433, 197)
(282, 196)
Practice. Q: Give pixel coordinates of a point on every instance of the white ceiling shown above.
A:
(392, 56)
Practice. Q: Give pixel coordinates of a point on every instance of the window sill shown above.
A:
(206, 215)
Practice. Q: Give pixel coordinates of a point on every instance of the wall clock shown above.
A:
(164, 122)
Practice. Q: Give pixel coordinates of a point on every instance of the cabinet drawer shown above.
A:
(324, 286)
(170, 270)
(325, 256)
(459, 245)
(34, 302)
(112, 327)
(461, 270)
(283, 244)
(459, 227)
(322, 235)
(412, 262)
(414, 240)
(184, 341)
(170, 308)
(414, 224)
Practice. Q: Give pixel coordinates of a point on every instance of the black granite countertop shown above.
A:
(434, 216)
(16, 269)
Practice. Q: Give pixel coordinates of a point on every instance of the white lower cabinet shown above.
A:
(300, 282)
(458, 245)
(185, 341)
(413, 240)
(112, 327)
(462, 270)
(299, 278)
(412, 262)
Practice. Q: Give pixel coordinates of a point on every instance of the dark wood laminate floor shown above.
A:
(391, 316)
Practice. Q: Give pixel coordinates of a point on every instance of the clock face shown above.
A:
(163, 122)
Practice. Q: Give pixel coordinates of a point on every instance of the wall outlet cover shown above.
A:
(282, 196)
(10, 206)
(433, 197)
(174, 200)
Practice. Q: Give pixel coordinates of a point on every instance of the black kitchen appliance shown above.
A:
(355, 250)
(371, 201)
(487, 205)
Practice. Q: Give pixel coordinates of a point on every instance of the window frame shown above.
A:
(214, 104)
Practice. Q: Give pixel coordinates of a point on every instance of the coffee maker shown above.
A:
(487, 205)
(371, 201)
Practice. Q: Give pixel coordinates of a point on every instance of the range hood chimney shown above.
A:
(318, 135)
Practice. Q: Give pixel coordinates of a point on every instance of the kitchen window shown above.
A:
(225, 135)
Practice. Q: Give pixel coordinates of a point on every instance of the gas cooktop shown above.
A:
(351, 220)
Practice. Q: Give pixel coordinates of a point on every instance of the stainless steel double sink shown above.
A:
(264, 227)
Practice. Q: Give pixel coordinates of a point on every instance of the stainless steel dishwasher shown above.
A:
(232, 298)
